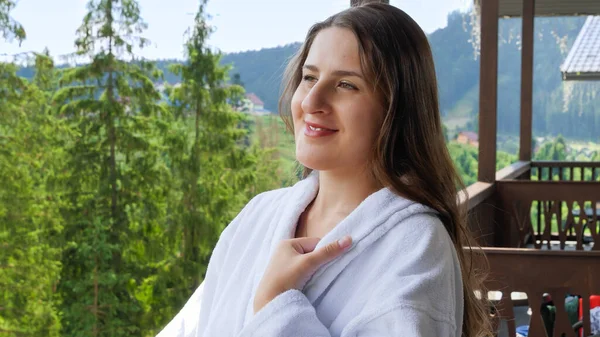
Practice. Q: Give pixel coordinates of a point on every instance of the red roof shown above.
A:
(254, 99)
(472, 136)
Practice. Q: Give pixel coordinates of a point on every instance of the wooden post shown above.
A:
(527, 42)
(354, 3)
(488, 91)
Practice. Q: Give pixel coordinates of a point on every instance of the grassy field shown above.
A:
(270, 132)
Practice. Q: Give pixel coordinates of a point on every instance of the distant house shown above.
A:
(257, 103)
(468, 137)
(253, 105)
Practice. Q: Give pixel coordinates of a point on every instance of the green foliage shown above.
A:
(9, 28)
(210, 167)
(558, 149)
(465, 159)
(270, 132)
(117, 182)
(30, 224)
(555, 150)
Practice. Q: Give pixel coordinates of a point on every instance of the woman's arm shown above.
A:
(291, 314)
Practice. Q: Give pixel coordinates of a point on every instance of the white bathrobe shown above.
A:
(401, 277)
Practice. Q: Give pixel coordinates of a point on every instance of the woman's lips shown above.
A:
(316, 130)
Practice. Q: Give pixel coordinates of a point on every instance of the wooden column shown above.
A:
(527, 80)
(488, 91)
(362, 2)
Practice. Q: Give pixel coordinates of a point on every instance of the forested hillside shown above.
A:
(566, 108)
(570, 109)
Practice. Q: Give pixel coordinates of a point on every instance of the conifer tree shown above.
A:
(117, 204)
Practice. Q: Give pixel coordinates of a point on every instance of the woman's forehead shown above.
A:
(335, 47)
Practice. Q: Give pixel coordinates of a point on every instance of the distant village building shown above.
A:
(468, 137)
(253, 105)
(257, 103)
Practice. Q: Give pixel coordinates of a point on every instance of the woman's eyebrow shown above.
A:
(337, 72)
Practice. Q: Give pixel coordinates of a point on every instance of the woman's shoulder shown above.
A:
(266, 201)
(423, 225)
(424, 237)
(419, 242)
(417, 267)
(270, 196)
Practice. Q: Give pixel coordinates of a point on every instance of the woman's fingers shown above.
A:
(305, 245)
(329, 252)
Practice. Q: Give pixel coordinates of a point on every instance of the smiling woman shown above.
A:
(370, 242)
(335, 97)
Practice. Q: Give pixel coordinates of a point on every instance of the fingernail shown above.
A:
(345, 242)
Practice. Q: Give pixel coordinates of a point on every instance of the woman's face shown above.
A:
(337, 115)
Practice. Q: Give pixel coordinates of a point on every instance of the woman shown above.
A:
(369, 243)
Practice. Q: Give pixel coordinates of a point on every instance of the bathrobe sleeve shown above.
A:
(291, 315)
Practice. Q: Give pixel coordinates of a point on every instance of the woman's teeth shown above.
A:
(315, 129)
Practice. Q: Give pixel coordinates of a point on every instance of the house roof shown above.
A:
(514, 8)
(254, 99)
(472, 136)
(583, 60)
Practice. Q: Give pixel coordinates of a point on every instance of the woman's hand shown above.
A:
(292, 265)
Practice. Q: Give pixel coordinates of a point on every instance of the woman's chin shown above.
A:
(314, 162)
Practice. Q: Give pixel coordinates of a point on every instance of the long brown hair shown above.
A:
(410, 155)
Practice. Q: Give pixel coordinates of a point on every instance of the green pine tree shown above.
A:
(30, 223)
(117, 196)
(555, 150)
(215, 169)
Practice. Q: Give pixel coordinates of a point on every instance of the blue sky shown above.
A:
(241, 24)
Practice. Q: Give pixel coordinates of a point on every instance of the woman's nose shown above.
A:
(316, 100)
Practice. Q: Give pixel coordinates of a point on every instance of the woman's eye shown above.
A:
(346, 85)
(308, 78)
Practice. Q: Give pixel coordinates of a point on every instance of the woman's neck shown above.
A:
(339, 194)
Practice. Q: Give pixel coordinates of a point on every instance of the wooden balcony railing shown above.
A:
(538, 203)
(552, 207)
(565, 171)
(551, 210)
(535, 272)
(482, 204)
(552, 201)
